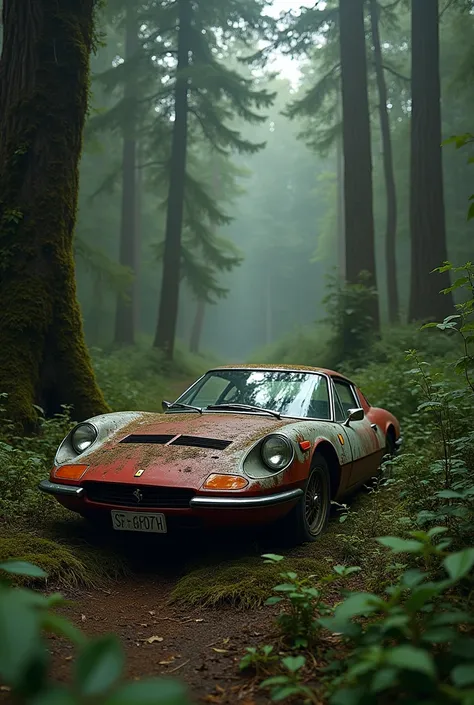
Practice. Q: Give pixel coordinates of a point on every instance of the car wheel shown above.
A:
(390, 445)
(310, 516)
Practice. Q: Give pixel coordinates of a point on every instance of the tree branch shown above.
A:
(397, 74)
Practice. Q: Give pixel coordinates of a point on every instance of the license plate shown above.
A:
(139, 521)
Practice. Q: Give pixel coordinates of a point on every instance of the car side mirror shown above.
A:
(354, 415)
(165, 405)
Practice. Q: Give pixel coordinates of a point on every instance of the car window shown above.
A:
(291, 393)
(347, 400)
(212, 389)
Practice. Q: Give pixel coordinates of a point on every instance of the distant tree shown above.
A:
(44, 74)
(391, 190)
(358, 198)
(427, 215)
(210, 94)
(126, 310)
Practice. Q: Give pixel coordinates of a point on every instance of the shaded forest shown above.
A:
(189, 183)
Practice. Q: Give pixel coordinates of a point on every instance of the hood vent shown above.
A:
(198, 442)
(144, 438)
(188, 441)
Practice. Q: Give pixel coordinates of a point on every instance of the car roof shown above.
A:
(285, 368)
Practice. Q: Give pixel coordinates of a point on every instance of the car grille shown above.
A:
(190, 441)
(122, 495)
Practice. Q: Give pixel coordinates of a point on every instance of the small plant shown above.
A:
(259, 658)
(391, 653)
(289, 683)
(302, 602)
(26, 616)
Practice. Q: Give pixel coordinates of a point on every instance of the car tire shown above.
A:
(309, 518)
(390, 445)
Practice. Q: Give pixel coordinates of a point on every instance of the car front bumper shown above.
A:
(197, 502)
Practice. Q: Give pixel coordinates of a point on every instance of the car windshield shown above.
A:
(298, 394)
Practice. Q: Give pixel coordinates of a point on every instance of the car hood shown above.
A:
(175, 449)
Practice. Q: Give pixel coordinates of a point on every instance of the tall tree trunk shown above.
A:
(268, 309)
(391, 225)
(196, 331)
(341, 245)
(126, 306)
(44, 82)
(136, 296)
(427, 216)
(169, 300)
(358, 197)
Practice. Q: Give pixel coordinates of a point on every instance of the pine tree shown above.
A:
(391, 191)
(207, 95)
(358, 198)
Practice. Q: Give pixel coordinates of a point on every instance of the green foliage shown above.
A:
(25, 665)
(302, 600)
(349, 313)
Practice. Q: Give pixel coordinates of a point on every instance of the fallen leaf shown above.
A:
(152, 612)
(83, 617)
(153, 639)
(166, 663)
(219, 651)
(226, 641)
(68, 658)
(220, 689)
(199, 620)
(143, 625)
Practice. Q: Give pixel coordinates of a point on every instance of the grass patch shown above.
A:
(66, 565)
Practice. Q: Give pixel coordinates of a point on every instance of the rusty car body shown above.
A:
(244, 445)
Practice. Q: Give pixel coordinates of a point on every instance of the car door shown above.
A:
(363, 441)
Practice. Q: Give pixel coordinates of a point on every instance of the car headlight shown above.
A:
(277, 452)
(83, 437)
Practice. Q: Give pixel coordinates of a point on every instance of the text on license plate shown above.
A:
(139, 521)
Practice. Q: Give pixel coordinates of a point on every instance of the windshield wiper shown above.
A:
(244, 407)
(179, 405)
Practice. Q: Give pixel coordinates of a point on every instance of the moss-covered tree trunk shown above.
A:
(427, 216)
(44, 82)
(358, 196)
(391, 191)
(169, 300)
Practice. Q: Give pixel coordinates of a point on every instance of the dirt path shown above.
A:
(201, 647)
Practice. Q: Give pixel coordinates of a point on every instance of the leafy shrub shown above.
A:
(26, 616)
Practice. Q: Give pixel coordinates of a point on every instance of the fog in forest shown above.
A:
(279, 212)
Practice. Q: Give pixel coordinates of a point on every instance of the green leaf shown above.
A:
(383, 679)
(273, 557)
(423, 594)
(410, 658)
(273, 600)
(463, 675)
(286, 691)
(449, 494)
(357, 604)
(155, 691)
(294, 663)
(274, 680)
(459, 564)
(99, 665)
(284, 587)
(398, 545)
(23, 568)
(19, 636)
(56, 695)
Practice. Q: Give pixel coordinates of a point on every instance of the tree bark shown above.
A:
(126, 307)
(196, 331)
(391, 224)
(358, 197)
(44, 82)
(169, 300)
(427, 216)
